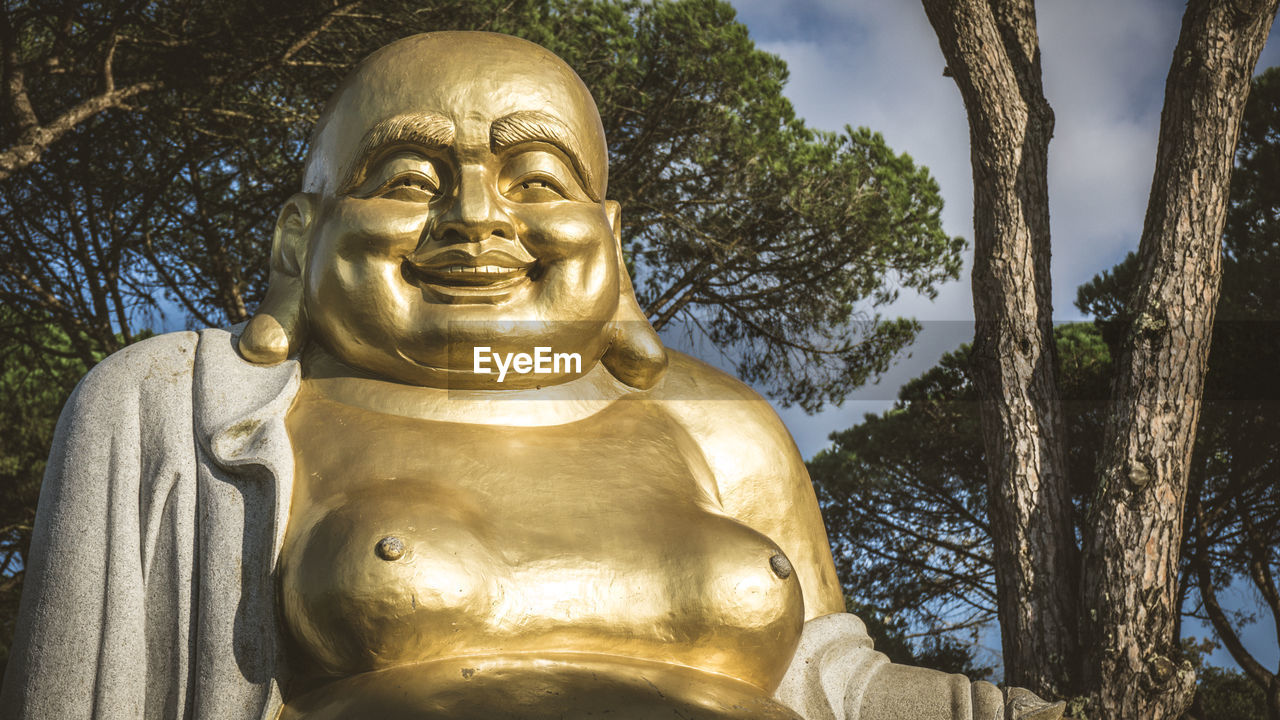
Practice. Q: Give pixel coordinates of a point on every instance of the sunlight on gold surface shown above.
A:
(618, 537)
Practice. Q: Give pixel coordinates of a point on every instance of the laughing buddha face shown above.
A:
(454, 198)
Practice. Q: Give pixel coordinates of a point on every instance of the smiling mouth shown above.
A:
(465, 276)
(459, 274)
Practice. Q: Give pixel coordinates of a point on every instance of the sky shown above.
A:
(876, 63)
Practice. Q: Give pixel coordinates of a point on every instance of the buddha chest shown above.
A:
(412, 541)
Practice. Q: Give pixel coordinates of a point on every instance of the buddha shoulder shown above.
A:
(729, 419)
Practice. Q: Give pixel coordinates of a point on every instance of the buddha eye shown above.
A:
(411, 187)
(537, 173)
(407, 175)
(535, 189)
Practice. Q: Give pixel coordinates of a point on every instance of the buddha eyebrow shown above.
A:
(533, 126)
(426, 130)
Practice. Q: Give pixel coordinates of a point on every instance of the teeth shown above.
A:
(453, 269)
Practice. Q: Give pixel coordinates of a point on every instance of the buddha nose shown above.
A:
(475, 212)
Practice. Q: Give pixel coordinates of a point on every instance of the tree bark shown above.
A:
(1133, 534)
(992, 51)
(34, 139)
(32, 143)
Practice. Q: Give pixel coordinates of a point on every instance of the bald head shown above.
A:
(456, 92)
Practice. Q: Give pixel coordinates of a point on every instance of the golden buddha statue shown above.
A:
(459, 477)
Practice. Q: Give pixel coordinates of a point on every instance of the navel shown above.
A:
(389, 548)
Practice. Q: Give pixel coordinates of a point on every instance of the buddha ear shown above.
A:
(278, 329)
(636, 356)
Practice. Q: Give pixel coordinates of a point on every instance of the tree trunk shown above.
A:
(1133, 534)
(992, 50)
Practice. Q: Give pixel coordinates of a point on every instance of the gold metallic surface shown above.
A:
(636, 536)
(602, 535)
(552, 686)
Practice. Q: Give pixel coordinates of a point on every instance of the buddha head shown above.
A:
(454, 198)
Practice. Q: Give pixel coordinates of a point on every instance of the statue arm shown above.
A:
(760, 476)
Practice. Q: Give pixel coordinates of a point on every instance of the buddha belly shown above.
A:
(550, 686)
(441, 570)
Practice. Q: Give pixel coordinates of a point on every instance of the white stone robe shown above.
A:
(149, 591)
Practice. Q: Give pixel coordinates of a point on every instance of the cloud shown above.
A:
(1105, 81)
